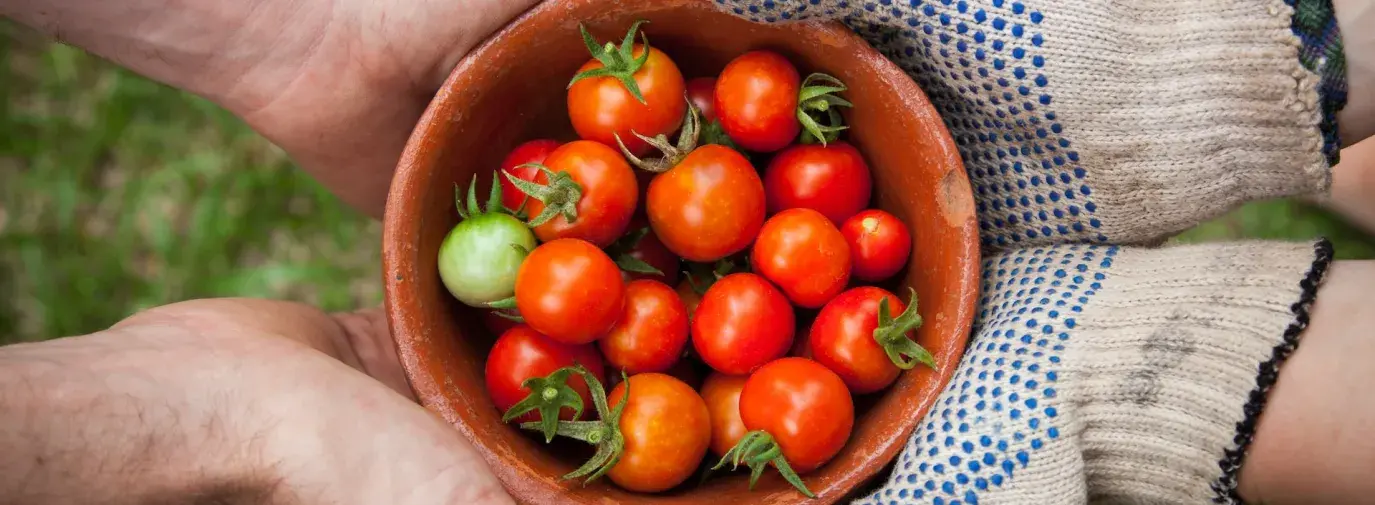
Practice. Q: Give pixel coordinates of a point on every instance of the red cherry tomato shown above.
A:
(667, 429)
(804, 254)
(832, 179)
(601, 107)
(742, 323)
(702, 92)
(804, 406)
(652, 252)
(570, 290)
(609, 193)
(879, 244)
(842, 339)
(523, 353)
(534, 151)
(722, 394)
(709, 206)
(756, 100)
(651, 333)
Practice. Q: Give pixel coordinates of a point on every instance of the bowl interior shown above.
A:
(513, 89)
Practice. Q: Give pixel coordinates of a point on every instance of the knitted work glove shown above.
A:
(1113, 121)
(1099, 372)
(1111, 374)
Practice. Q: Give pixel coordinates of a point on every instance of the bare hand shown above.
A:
(232, 399)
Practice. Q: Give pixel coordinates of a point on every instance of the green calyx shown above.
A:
(818, 99)
(756, 450)
(509, 314)
(673, 154)
(548, 395)
(617, 62)
(468, 208)
(604, 433)
(701, 276)
(560, 196)
(505, 308)
(891, 334)
(508, 303)
(620, 251)
(714, 133)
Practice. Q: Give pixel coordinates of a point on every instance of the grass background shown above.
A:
(118, 194)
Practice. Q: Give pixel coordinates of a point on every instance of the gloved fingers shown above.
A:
(1114, 122)
(1113, 373)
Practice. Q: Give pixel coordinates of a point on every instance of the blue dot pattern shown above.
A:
(1002, 407)
(981, 64)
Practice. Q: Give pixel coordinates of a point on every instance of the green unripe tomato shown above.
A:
(479, 258)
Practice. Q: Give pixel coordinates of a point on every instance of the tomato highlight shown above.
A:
(570, 290)
(521, 164)
(633, 88)
(880, 244)
(742, 323)
(651, 334)
(804, 254)
(522, 380)
(832, 179)
(856, 337)
(584, 190)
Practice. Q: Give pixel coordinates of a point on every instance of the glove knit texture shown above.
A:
(1102, 374)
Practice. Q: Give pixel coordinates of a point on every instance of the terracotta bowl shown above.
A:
(512, 89)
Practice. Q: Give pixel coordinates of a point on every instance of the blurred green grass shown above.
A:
(118, 194)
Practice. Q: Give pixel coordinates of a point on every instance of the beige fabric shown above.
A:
(1153, 115)
(1183, 109)
(1158, 351)
(1167, 356)
(1098, 374)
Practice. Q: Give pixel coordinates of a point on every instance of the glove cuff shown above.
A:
(1175, 359)
(1268, 372)
(1112, 374)
(1315, 24)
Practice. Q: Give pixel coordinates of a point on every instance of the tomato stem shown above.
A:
(702, 275)
(756, 450)
(560, 195)
(548, 395)
(618, 63)
(891, 334)
(714, 133)
(687, 141)
(509, 315)
(604, 433)
(504, 303)
(621, 251)
(818, 96)
(468, 208)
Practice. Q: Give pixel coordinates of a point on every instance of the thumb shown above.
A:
(360, 339)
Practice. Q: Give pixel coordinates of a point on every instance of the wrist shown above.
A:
(87, 415)
(1357, 118)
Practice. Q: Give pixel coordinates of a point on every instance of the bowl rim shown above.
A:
(400, 256)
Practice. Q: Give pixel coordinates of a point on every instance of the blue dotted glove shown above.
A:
(1102, 372)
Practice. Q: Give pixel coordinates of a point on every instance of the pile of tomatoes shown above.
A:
(594, 256)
